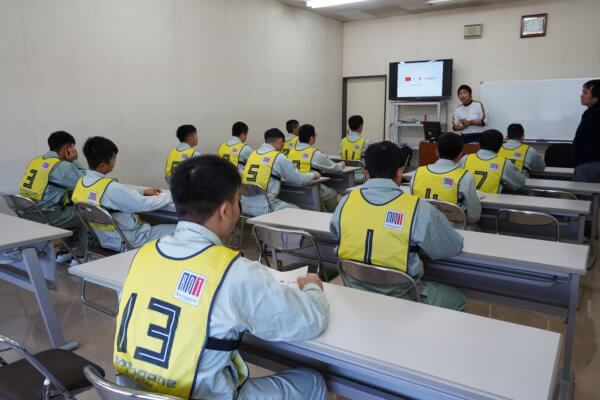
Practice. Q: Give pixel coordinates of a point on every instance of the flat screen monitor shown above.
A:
(420, 80)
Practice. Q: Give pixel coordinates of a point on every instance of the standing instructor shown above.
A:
(586, 146)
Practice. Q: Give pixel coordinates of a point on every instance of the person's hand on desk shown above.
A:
(317, 175)
(152, 191)
(342, 164)
(309, 278)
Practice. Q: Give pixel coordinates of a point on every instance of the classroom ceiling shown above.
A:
(370, 9)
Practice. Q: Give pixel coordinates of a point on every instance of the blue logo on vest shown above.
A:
(92, 196)
(448, 182)
(266, 160)
(190, 287)
(494, 167)
(45, 166)
(394, 220)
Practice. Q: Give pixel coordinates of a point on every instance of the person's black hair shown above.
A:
(450, 145)
(291, 125)
(306, 132)
(515, 131)
(58, 139)
(383, 160)
(491, 140)
(184, 131)
(200, 185)
(465, 87)
(271, 135)
(239, 128)
(355, 122)
(98, 150)
(594, 86)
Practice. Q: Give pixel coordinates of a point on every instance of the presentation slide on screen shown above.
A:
(420, 79)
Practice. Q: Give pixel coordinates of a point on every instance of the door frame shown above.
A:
(345, 100)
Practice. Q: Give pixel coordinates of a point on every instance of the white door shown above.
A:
(367, 97)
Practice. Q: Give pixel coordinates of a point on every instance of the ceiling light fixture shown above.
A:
(433, 2)
(329, 3)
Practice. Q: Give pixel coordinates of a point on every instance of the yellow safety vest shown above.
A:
(516, 155)
(37, 177)
(487, 173)
(289, 144)
(302, 159)
(438, 186)
(231, 153)
(377, 234)
(93, 195)
(259, 169)
(352, 151)
(175, 158)
(164, 316)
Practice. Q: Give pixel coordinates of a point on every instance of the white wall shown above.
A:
(569, 50)
(134, 70)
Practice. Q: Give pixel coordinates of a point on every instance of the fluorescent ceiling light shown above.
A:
(431, 2)
(329, 3)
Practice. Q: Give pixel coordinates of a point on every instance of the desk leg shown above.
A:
(38, 283)
(567, 377)
(594, 230)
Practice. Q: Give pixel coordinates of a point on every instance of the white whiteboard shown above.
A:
(548, 109)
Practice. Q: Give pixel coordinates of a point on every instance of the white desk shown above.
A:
(556, 173)
(474, 358)
(34, 243)
(341, 182)
(306, 196)
(535, 274)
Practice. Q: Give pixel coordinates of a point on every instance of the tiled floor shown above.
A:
(20, 319)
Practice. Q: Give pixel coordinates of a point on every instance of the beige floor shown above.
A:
(20, 319)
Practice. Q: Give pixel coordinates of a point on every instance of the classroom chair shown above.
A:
(454, 213)
(295, 243)
(556, 194)
(559, 155)
(110, 391)
(91, 214)
(248, 190)
(21, 204)
(529, 224)
(374, 275)
(49, 374)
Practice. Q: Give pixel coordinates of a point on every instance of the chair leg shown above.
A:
(95, 306)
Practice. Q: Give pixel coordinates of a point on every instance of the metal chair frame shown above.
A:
(451, 211)
(263, 246)
(20, 204)
(374, 275)
(249, 190)
(508, 212)
(111, 391)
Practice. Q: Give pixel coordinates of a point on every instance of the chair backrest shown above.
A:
(454, 213)
(530, 224)
(91, 214)
(557, 194)
(374, 275)
(250, 190)
(110, 391)
(20, 204)
(559, 155)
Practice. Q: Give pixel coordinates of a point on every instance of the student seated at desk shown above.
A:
(49, 181)
(266, 167)
(382, 225)
(291, 137)
(492, 172)
(235, 149)
(188, 138)
(444, 180)
(354, 146)
(122, 202)
(525, 157)
(306, 157)
(211, 295)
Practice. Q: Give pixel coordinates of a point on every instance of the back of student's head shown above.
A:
(291, 125)
(355, 122)
(594, 86)
(184, 131)
(58, 139)
(515, 131)
(201, 184)
(491, 140)
(450, 145)
(239, 128)
(98, 150)
(306, 132)
(271, 135)
(383, 160)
